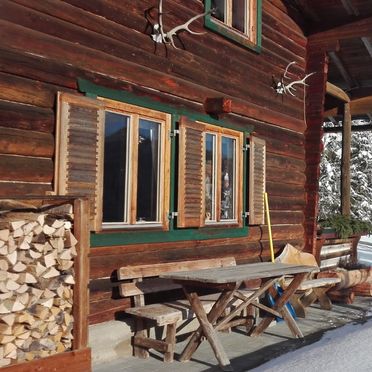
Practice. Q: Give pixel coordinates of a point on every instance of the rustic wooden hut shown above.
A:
(175, 143)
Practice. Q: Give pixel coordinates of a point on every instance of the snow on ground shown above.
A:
(345, 349)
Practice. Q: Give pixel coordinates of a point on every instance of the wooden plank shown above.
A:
(81, 267)
(239, 273)
(147, 286)
(77, 361)
(132, 272)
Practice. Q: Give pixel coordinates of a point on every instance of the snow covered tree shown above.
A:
(361, 175)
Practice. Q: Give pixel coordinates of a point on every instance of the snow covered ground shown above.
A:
(345, 349)
(365, 250)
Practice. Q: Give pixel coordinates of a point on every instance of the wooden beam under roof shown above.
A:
(360, 106)
(367, 43)
(350, 81)
(350, 8)
(354, 128)
(335, 91)
(355, 29)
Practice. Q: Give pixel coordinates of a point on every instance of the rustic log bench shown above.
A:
(311, 289)
(142, 280)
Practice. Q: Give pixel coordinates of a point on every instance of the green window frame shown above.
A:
(225, 21)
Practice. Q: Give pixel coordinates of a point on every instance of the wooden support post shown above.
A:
(345, 163)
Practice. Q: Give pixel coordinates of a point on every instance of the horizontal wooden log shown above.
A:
(77, 361)
(17, 115)
(23, 188)
(23, 90)
(108, 309)
(99, 62)
(21, 168)
(22, 142)
(285, 163)
(198, 70)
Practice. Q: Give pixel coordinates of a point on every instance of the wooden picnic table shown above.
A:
(229, 280)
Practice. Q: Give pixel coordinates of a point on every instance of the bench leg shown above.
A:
(170, 339)
(250, 314)
(324, 301)
(298, 305)
(140, 352)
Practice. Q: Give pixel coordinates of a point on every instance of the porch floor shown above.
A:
(245, 352)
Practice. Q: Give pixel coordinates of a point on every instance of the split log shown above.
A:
(37, 253)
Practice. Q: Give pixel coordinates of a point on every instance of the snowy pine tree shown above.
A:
(361, 175)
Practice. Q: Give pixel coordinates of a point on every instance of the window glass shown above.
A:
(227, 178)
(239, 15)
(210, 177)
(115, 167)
(148, 171)
(219, 9)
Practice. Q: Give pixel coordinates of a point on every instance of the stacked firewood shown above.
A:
(354, 282)
(37, 253)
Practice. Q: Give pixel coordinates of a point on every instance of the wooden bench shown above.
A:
(312, 289)
(142, 280)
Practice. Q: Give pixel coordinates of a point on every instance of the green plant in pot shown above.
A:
(346, 226)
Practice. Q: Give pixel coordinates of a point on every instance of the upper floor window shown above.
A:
(238, 20)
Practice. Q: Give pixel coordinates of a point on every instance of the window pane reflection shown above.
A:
(210, 179)
(227, 178)
(115, 165)
(148, 171)
(238, 15)
(219, 9)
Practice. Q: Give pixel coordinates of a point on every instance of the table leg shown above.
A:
(279, 305)
(209, 331)
(212, 317)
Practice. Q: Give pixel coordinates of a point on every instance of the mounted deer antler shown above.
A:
(159, 36)
(282, 88)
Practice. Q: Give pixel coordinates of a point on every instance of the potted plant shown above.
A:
(344, 226)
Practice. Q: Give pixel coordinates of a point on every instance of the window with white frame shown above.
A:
(134, 170)
(235, 19)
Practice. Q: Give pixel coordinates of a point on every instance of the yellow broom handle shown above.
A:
(266, 199)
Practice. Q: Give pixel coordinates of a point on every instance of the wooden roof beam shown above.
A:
(351, 83)
(355, 29)
(367, 43)
(336, 92)
(354, 128)
(360, 106)
(350, 8)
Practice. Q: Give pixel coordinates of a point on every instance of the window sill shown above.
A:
(120, 238)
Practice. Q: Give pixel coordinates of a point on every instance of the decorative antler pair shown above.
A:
(282, 88)
(159, 36)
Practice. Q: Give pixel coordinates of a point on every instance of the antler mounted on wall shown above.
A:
(158, 34)
(281, 87)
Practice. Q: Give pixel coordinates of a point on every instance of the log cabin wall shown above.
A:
(47, 45)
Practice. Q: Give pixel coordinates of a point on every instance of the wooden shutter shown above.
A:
(190, 174)
(79, 151)
(257, 178)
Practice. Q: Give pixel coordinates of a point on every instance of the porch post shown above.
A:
(345, 161)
